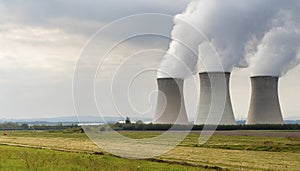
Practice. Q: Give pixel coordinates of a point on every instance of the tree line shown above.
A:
(159, 127)
(150, 127)
(25, 126)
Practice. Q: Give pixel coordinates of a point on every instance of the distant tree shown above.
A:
(24, 126)
(127, 120)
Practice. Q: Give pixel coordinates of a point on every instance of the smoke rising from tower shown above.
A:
(181, 58)
(237, 30)
(278, 52)
(264, 34)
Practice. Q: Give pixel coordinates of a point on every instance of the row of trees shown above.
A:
(139, 126)
(163, 127)
(13, 125)
(25, 126)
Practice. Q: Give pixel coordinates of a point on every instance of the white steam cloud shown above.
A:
(267, 31)
(182, 56)
(279, 50)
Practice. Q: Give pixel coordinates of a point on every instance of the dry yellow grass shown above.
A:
(236, 159)
(60, 143)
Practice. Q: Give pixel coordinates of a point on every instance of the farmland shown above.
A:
(229, 150)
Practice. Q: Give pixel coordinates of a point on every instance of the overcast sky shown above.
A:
(40, 42)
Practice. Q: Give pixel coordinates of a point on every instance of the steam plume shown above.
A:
(279, 50)
(237, 30)
(181, 58)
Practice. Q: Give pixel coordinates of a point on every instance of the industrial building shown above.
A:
(215, 103)
(264, 105)
(170, 108)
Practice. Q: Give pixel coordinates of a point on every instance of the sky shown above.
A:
(40, 42)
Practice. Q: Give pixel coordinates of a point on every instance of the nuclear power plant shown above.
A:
(218, 110)
(264, 106)
(170, 108)
(215, 106)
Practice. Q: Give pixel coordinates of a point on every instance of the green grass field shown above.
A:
(20, 158)
(74, 151)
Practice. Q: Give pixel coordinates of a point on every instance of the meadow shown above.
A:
(71, 150)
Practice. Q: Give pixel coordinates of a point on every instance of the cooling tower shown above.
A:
(215, 106)
(170, 108)
(264, 106)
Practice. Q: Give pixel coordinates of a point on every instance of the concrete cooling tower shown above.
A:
(170, 108)
(215, 106)
(264, 106)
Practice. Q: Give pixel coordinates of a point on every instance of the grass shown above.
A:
(271, 144)
(47, 134)
(236, 159)
(20, 158)
(227, 152)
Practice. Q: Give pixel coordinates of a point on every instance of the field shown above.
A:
(227, 150)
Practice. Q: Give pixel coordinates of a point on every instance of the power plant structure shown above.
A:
(170, 108)
(264, 105)
(215, 106)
